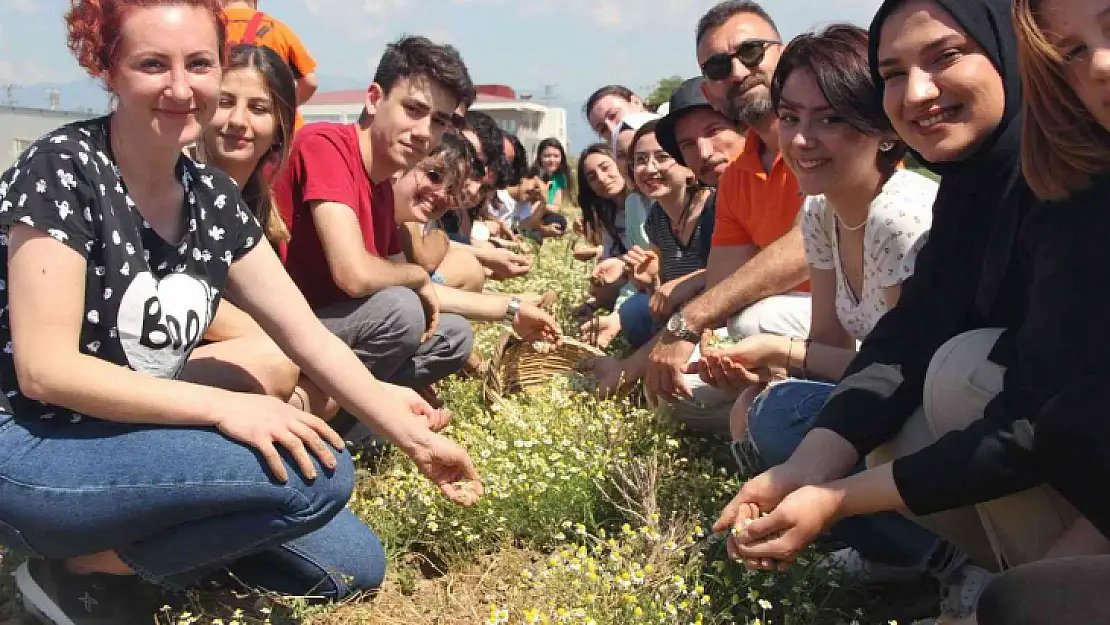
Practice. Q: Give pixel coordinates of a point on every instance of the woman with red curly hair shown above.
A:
(120, 470)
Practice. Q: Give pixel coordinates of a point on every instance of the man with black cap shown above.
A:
(697, 135)
(757, 277)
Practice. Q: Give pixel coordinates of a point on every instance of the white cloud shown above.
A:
(20, 6)
(381, 7)
(28, 72)
(606, 13)
(21, 71)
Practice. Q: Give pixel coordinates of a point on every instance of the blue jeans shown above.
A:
(778, 421)
(180, 505)
(637, 324)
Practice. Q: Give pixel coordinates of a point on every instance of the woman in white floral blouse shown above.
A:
(864, 221)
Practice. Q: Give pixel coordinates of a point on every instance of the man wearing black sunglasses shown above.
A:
(738, 48)
(756, 278)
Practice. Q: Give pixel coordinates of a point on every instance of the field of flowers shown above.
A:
(596, 512)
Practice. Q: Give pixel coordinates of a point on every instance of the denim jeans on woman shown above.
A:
(180, 505)
(779, 419)
(637, 324)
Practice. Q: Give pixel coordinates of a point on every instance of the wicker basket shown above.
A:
(518, 365)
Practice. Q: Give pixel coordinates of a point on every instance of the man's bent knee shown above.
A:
(784, 315)
(404, 318)
(458, 335)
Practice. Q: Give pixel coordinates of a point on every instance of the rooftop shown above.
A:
(487, 94)
(46, 112)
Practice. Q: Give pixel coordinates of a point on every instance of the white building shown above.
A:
(21, 126)
(530, 121)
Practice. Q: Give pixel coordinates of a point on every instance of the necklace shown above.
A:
(847, 227)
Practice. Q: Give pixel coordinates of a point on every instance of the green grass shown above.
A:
(595, 512)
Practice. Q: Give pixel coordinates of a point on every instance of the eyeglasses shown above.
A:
(750, 53)
(663, 160)
(477, 167)
(434, 176)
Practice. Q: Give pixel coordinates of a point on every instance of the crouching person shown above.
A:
(248, 138)
(679, 228)
(864, 221)
(965, 398)
(336, 196)
(119, 475)
(421, 196)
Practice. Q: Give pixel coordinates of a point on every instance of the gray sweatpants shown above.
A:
(384, 330)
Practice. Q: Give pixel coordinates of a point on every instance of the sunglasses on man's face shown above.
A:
(750, 53)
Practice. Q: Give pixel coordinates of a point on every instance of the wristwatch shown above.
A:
(676, 325)
(511, 311)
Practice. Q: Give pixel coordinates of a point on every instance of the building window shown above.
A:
(19, 146)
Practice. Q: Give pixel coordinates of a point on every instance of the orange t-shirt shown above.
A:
(755, 207)
(275, 35)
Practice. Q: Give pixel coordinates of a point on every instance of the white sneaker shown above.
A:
(959, 594)
(859, 569)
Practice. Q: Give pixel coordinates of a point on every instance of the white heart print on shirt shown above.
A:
(161, 321)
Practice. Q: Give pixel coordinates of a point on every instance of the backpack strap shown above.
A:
(251, 33)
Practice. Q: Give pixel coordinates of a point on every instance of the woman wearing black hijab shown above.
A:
(987, 332)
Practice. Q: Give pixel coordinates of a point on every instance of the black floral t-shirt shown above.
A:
(147, 302)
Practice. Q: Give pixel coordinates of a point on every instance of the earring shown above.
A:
(886, 146)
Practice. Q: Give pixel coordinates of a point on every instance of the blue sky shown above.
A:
(575, 45)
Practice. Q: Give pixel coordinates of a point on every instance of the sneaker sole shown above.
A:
(36, 601)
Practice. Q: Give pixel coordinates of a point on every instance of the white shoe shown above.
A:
(859, 569)
(959, 594)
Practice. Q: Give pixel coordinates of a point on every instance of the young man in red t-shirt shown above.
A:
(336, 197)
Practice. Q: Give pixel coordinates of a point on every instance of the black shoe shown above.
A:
(56, 596)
